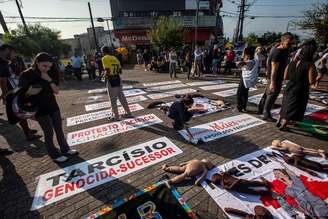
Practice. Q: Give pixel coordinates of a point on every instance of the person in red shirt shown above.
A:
(230, 58)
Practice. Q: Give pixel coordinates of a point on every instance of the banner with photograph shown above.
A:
(292, 192)
(72, 180)
(161, 83)
(133, 92)
(166, 87)
(202, 83)
(231, 92)
(104, 90)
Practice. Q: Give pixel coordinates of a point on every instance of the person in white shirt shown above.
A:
(198, 56)
(322, 68)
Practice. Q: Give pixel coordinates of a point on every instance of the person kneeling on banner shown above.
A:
(113, 70)
(180, 112)
(39, 85)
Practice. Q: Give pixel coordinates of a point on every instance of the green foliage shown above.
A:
(166, 33)
(252, 40)
(316, 20)
(39, 39)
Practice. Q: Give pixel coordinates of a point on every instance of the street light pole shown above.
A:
(196, 26)
(110, 35)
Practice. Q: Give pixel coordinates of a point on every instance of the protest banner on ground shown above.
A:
(221, 128)
(161, 83)
(104, 90)
(310, 108)
(202, 106)
(219, 86)
(84, 118)
(106, 130)
(154, 201)
(71, 180)
(319, 96)
(231, 92)
(166, 87)
(202, 83)
(285, 201)
(171, 93)
(133, 92)
(257, 98)
(107, 104)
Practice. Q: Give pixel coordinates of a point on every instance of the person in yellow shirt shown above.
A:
(113, 70)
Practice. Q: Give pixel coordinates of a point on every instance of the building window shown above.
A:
(125, 14)
(201, 13)
(176, 13)
(153, 13)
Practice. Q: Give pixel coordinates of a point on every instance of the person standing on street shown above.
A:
(173, 63)
(9, 82)
(40, 84)
(322, 68)
(146, 58)
(301, 75)
(276, 65)
(77, 65)
(230, 58)
(215, 61)
(114, 84)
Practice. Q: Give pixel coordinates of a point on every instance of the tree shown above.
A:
(252, 40)
(316, 20)
(39, 39)
(166, 33)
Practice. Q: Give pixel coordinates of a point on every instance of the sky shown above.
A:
(101, 8)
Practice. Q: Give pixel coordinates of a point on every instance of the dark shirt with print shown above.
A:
(45, 101)
(281, 57)
(12, 79)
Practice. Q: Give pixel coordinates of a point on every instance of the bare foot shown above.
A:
(164, 166)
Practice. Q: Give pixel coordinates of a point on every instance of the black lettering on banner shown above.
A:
(148, 149)
(75, 173)
(110, 161)
(98, 165)
(126, 156)
(244, 168)
(234, 171)
(137, 152)
(274, 154)
(159, 145)
(255, 163)
(55, 179)
(264, 159)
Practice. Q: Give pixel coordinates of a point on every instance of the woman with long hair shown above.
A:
(40, 84)
(301, 75)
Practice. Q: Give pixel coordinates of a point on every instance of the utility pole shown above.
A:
(93, 28)
(242, 18)
(22, 17)
(3, 24)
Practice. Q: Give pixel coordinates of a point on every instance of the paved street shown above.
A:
(19, 172)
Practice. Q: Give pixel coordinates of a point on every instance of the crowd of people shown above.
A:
(29, 92)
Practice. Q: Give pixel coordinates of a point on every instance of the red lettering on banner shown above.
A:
(151, 157)
(130, 164)
(69, 187)
(138, 162)
(80, 135)
(80, 183)
(123, 168)
(87, 132)
(170, 150)
(164, 152)
(115, 126)
(74, 135)
(112, 172)
(59, 190)
(158, 155)
(99, 130)
(47, 195)
(90, 179)
(145, 159)
(103, 175)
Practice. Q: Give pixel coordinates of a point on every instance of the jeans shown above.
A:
(78, 73)
(115, 93)
(172, 69)
(242, 96)
(215, 63)
(268, 99)
(50, 123)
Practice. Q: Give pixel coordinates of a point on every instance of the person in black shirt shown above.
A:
(276, 65)
(9, 77)
(40, 84)
(180, 112)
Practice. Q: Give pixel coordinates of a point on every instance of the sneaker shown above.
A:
(60, 159)
(72, 152)
(113, 119)
(127, 116)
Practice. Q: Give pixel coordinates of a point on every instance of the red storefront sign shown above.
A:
(202, 35)
(132, 37)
